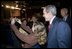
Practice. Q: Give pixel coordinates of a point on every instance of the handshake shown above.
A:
(13, 20)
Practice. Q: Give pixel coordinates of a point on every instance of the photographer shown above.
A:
(30, 39)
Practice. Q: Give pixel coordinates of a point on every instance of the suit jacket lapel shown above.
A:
(52, 25)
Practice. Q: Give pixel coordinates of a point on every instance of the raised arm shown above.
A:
(30, 39)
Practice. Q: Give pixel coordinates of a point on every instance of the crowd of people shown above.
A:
(34, 34)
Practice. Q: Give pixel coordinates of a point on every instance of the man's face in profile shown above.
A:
(46, 14)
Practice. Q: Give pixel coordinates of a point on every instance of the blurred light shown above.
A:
(24, 9)
(16, 1)
(2, 5)
(7, 6)
(12, 7)
(17, 8)
(16, 5)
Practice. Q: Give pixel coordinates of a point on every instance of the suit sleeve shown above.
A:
(63, 35)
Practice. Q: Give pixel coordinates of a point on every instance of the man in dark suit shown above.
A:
(59, 35)
(64, 14)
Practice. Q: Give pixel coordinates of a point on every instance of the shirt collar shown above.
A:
(52, 20)
(65, 18)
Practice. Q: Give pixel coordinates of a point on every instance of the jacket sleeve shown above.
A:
(27, 28)
(30, 39)
(63, 35)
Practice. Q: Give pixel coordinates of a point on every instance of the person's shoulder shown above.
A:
(60, 21)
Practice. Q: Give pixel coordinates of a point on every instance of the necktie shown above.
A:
(48, 27)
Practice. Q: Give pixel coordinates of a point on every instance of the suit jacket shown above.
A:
(59, 35)
(68, 20)
(12, 40)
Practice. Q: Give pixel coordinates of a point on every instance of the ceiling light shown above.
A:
(12, 7)
(7, 6)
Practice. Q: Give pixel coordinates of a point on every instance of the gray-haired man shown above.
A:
(59, 35)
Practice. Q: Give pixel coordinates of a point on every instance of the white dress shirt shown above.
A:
(65, 18)
(52, 20)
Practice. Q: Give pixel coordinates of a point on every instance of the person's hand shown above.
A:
(12, 21)
(19, 21)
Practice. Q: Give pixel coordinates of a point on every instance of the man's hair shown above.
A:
(65, 9)
(51, 8)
